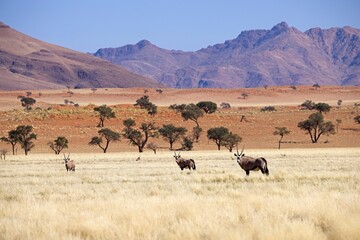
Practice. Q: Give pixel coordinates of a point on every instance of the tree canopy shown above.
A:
(171, 133)
(315, 126)
(25, 137)
(109, 136)
(217, 134)
(59, 144)
(281, 131)
(138, 137)
(208, 106)
(192, 112)
(105, 112)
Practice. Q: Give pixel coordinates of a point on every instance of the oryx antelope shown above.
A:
(184, 163)
(250, 163)
(69, 164)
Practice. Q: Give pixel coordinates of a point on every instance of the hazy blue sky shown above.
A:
(86, 25)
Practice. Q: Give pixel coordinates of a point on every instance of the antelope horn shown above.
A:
(237, 150)
(68, 156)
(242, 150)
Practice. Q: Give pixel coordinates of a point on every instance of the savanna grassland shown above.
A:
(312, 191)
(309, 194)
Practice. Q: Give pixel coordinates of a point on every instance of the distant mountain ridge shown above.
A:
(282, 55)
(27, 63)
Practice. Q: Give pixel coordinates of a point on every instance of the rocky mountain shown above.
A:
(27, 63)
(282, 55)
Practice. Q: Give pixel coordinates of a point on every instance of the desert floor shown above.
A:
(78, 124)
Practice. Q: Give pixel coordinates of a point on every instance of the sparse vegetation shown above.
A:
(230, 141)
(218, 135)
(187, 144)
(109, 136)
(25, 136)
(315, 126)
(268, 109)
(105, 112)
(171, 133)
(139, 137)
(225, 105)
(322, 107)
(281, 131)
(308, 104)
(59, 144)
(208, 106)
(27, 102)
(12, 138)
(196, 132)
(244, 95)
(193, 113)
(357, 119)
(144, 103)
(316, 86)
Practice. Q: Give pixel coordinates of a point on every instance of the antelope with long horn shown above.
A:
(69, 164)
(251, 164)
(184, 163)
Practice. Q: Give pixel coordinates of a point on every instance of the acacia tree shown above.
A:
(171, 133)
(12, 138)
(231, 140)
(281, 131)
(25, 137)
(196, 133)
(217, 134)
(105, 112)
(193, 113)
(139, 137)
(109, 136)
(144, 103)
(59, 144)
(27, 102)
(208, 106)
(315, 126)
(322, 107)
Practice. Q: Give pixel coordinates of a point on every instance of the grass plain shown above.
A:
(309, 194)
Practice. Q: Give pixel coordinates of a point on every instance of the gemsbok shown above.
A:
(184, 163)
(250, 163)
(69, 164)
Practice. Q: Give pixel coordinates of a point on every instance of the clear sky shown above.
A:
(87, 25)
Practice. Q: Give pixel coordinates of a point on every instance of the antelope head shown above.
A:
(66, 159)
(177, 157)
(239, 155)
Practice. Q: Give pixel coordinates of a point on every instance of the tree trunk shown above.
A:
(13, 148)
(280, 142)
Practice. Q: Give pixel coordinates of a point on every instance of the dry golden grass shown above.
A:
(310, 194)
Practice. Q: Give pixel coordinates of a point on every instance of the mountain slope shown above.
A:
(27, 63)
(282, 55)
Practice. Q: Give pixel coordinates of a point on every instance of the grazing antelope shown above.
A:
(69, 164)
(184, 163)
(250, 163)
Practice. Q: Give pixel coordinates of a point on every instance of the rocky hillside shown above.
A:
(27, 63)
(282, 55)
